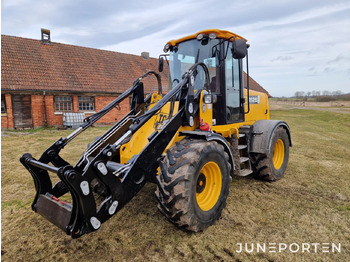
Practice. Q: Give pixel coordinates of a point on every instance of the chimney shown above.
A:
(145, 55)
(45, 36)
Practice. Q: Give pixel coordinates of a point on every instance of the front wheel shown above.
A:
(193, 184)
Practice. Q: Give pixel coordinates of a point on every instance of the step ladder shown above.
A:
(245, 165)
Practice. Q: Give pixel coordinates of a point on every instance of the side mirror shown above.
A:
(239, 49)
(160, 64)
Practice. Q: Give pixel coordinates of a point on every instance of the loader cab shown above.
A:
(223, 58)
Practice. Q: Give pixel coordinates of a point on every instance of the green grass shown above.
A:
(35, 130)
(310, 204)
(14, 204)
(343, 208)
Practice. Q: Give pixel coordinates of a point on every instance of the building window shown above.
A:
(86, 103)
(3, 105)
(63, 104)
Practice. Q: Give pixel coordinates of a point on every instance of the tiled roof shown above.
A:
(28, 64)
(253, 85)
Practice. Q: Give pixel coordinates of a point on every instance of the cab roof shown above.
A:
(223, 34)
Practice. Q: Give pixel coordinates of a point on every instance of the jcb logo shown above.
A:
(159, 120)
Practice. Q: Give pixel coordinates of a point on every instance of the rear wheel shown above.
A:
(271, 167)
(193, 184)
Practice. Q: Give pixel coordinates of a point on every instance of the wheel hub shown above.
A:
(201, 181)
(278, 154)
(208, 186)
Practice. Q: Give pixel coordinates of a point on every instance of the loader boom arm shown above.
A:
(120, 182)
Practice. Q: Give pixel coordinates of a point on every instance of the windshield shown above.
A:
(186, 54)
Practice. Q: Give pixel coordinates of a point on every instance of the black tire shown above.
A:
(271, 167)
(191, 169)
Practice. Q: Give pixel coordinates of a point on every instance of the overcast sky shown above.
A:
(299, 45)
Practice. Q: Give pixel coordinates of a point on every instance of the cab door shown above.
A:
(233, 88)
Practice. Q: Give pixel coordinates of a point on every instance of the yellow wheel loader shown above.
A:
(190, 142)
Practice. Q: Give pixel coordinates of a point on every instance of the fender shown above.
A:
(209, 136)
(261, 135)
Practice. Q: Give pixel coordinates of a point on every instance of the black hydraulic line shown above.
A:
(93, 118)
(141, 120)
(156, 75)
(206, 71)
(89, 121)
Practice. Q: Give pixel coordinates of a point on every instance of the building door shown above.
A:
(22, 111)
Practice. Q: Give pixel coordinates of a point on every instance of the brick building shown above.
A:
(40, 80)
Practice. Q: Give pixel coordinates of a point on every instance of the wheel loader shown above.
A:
(191, 140)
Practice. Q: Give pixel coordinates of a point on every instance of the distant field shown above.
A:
(333, 106)
(311, 204)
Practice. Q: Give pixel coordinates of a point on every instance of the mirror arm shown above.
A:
(160, 61)
(246, 58)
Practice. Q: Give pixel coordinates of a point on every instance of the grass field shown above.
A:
(311, 204)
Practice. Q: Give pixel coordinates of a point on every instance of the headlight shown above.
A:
(200, 36)
(212, 35)
(207, 99)
(210, 99)
(166, 48)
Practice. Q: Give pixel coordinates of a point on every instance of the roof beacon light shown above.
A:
(212, 35)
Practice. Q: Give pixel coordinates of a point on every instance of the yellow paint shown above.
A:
(205, 111)
(257, 111)
(207, 199)
(140, 139)
(219, 33)
(278, 154)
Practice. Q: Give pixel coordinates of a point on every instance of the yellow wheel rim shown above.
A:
(278, 154)
(209, 185)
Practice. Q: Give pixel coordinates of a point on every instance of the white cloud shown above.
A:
(294, 44)
(153, 43)
(283, 50)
